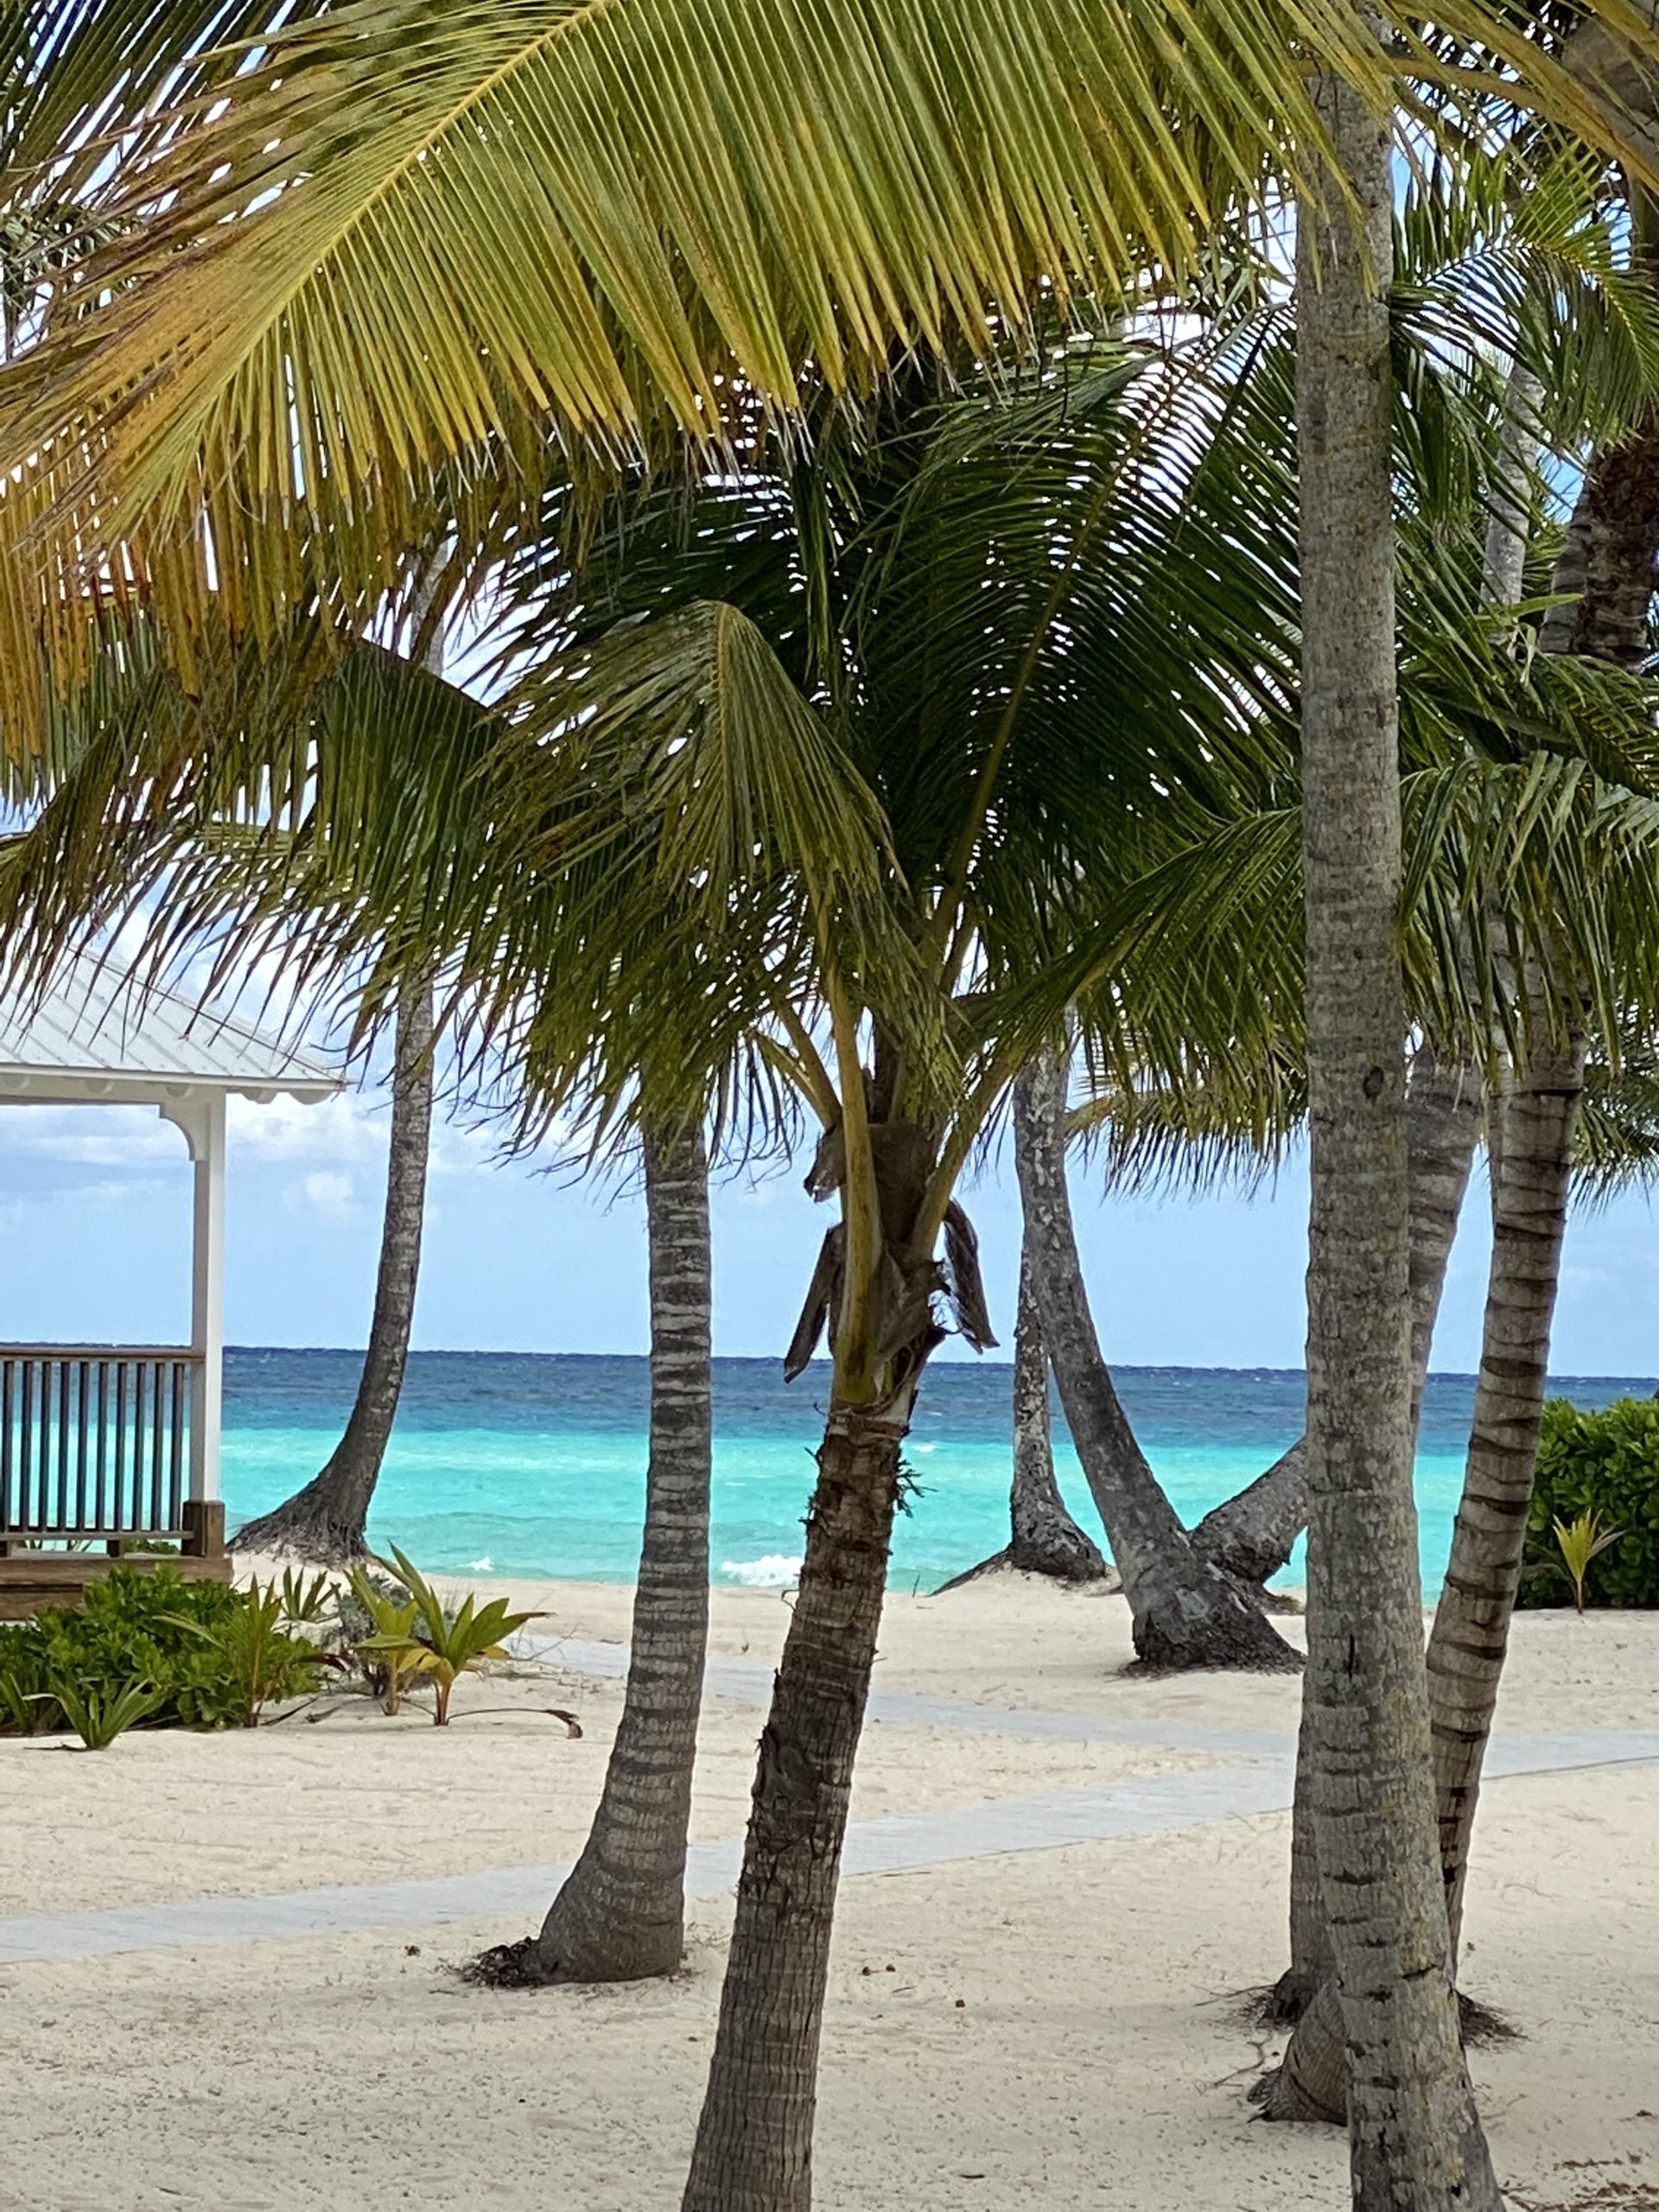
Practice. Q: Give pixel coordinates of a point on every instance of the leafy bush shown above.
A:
(1605, 1463)
(261, 1659)
(182, 1642)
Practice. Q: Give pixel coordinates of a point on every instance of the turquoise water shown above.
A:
(510, 1463)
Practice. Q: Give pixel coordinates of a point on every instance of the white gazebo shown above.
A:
(108, 1449)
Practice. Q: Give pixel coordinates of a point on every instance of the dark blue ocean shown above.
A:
(531, 1464)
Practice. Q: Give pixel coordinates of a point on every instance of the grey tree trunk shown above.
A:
(1532, 1172)
(1609, 561)
(1443, 1119)
(1444, 1114)
(754, 2151)
(1251, 1535)
(1044, 1539)
(621, 1915)
(1184, 1611)
(1415, 2141)
(327, 1521)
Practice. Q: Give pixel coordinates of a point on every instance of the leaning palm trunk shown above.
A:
(328, 1520)
(1415, 2140)
(1251, 1535)
(1608, 563)
(1532, 1171)
(1183, 1611)
(621, 1915)
(1043, 1537)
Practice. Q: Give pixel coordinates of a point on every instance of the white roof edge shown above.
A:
(98, 1030)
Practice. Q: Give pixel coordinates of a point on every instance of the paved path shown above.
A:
(1150, 1805)
(748, 1683)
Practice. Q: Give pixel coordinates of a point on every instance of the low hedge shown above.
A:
(156, 1629)
(1607, 1459)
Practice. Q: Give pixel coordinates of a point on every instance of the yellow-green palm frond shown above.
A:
(392, 233)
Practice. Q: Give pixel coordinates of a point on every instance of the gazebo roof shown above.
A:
(97, 1032)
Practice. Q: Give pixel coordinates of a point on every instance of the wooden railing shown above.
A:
(94, 1441)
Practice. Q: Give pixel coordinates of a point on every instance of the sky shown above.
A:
(95, 1245)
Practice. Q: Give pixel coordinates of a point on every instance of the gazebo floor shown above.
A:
(31, 1581)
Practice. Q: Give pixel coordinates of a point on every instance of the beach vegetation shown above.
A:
(262, 1660)
(440, 1644)
(207, 1655)
(1580, 1542)
(851, 802)
(99, 1713)
(1598, 1474)
(375, 1619)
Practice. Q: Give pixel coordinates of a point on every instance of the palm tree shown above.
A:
(620, 1914)
(1251, 1534)
(328, 1520)
(1413, 2132)
(835, 865)
(1043, 1537)
(1184, 1612)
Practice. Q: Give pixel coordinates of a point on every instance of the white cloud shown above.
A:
(326, 1192)
(92, 1135)
(347, 1127)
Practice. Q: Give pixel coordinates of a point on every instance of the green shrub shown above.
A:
(131, 1628)
(1606, 1462)
(259, 1657)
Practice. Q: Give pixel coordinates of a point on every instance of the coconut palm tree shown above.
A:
(618, 339)
(1151, 1550)
(1414, 2133)
(326, 1520)
(620, 1915)
(747, 862)
(1043, 1537)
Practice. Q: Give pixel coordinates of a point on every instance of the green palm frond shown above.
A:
(304, 303)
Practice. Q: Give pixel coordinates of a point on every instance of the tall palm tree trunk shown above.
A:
(1444, 1118)
(621, 1915)
(1252, 1534)
(753, 2149)
(1183, 1611)
(1444, 1114)
(876, 1283)
(327, 1521)
(1608, 561)
(1414, 2138)
(1532, 1172)
(1043, 1537)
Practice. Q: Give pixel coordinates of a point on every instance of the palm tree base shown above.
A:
(1210, 1622)
(314, 1525)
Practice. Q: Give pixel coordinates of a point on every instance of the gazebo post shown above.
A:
(201, 1115)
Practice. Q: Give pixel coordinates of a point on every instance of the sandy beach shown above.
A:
(1036, 2027)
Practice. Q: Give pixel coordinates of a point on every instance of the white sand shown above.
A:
(1099, 2058)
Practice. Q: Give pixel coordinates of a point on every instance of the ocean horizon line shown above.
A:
(821, 1365)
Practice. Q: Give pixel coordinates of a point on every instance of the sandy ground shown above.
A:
(1099, 2055)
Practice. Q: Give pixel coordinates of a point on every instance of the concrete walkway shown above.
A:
(1149, 1805)
(747, 1682)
